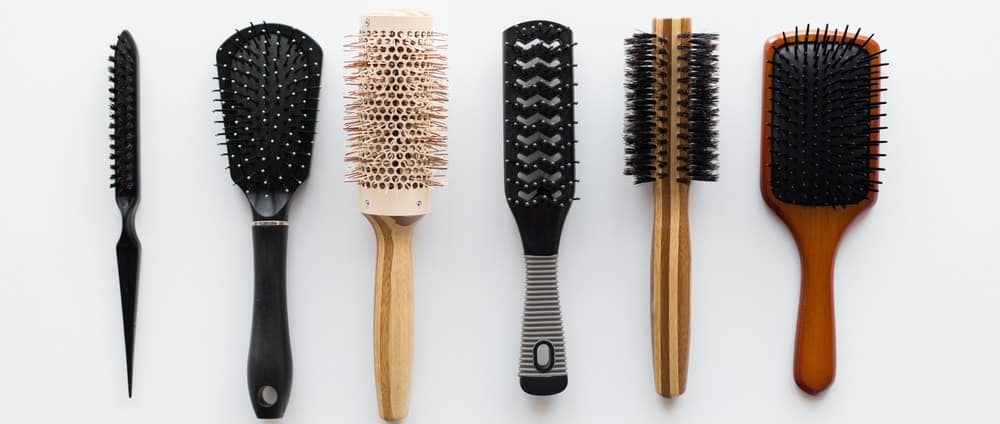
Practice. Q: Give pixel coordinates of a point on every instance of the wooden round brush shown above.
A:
(819, 166)
(395, 119)
(671, 140)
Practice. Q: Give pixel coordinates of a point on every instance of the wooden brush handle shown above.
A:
(393, 314)
(815, 338)
(671, 262)
(670, 285)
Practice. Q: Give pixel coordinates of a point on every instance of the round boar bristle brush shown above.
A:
(269, 93)
(819, 165)
(125, 179)
(671, 140)
(395, 121)
(539, 182)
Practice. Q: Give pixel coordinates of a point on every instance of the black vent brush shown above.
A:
(671, 140)
(125, 179)
(539, 182)
(820, 165)
(269, 78)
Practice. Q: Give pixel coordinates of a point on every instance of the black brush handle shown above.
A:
(128, 250)
(269, 366)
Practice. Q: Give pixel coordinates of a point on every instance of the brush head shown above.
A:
(650, 89)
(124, 99)
(539, 139)
(269, 79)
(395, 117)
(822, 112)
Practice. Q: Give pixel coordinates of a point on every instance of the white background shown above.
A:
(916, 290)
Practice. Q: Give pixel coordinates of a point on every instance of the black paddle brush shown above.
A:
(269, 79)
(125, 179)
(539, 182)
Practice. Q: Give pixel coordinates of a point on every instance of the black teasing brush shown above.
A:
(539, 183)
(648, 94)
(125, 179)
(269, 79)
(823, 99)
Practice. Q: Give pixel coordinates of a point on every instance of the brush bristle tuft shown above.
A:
(699, 98)
(825, 87)
(646, 68)
(649, 100)
(124, 116)
(269, 80)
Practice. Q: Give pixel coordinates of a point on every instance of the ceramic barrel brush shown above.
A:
(539, 183)
(819, 165)
(125, 179)
(395, 121)
(671, 140)
(269, 80)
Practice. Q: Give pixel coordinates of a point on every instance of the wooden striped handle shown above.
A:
(393, 314)
(671, 261)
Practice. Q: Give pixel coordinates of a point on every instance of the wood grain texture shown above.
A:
(393, 314)
(670, 280)
(817, 231)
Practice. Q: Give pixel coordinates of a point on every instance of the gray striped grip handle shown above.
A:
(543, 356)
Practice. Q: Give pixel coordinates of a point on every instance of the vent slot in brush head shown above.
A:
(650, 89)
(269, 79)
(823, 117)
(395, 117)
(539, 160)
(124, 116)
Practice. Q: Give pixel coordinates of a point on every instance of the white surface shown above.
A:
(916, 288)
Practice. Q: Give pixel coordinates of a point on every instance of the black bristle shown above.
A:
(699, 99)
(648, 99)
(822, 112)
(539, 167)
(269, 79)
(642, 93)
(124, 116)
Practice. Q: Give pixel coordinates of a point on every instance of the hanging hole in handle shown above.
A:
(543, 355)
(267, 396)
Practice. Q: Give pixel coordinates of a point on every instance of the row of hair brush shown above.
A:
(819, 169)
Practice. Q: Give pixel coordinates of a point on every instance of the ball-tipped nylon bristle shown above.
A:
(699, 98)
(124, 116)
(539, 136)
(395, 116)
(823, 117)
(269, 80)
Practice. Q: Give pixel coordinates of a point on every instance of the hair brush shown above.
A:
(125, 179)
(395, 121)
(539, 181)
(819, 165)
(671, 140)
(269, 79)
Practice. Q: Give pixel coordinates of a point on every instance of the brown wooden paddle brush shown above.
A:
(395, 119)
(671, 140)
(819, 165)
